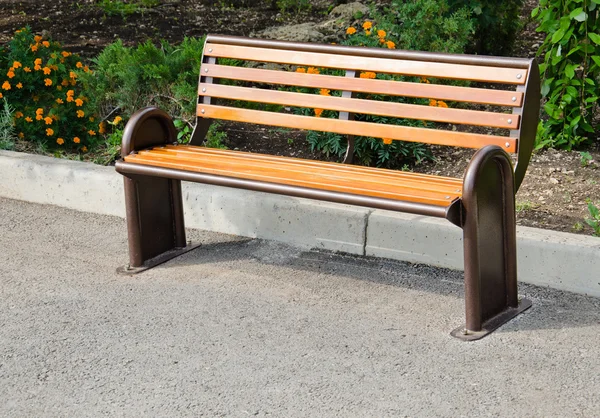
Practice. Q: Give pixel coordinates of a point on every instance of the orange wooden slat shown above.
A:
(384, 65)
(346, 127)
(331, 171)
(364, 85)
(449, 181)
(371, 107)
(280, 176)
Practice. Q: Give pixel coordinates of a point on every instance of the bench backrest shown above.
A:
(509, 114)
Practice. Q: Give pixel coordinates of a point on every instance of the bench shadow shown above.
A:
(552, 309)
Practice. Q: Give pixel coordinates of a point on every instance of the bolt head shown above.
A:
(202, 111)
(507, 144)
(206, 70)
(514, 99)
(204, 90)
(519, 76)
(509, 121)
(209, 49)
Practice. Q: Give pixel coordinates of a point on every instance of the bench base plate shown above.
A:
(159, 259)
(491, 324)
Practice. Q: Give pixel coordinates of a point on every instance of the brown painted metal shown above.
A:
(529, 113)
(203, 124)
(154, 208)
(490, 248)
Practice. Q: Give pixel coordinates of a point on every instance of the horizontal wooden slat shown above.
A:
(332, 171)
(364, 85)
(371, 107)
(391, 66)
(452, 182)
(346, 127)
(273, 173)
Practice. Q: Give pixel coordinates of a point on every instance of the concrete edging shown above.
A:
(546, 258)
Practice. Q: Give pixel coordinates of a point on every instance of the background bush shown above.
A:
(570, 72)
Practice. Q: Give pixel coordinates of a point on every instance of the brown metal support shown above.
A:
(202, 124)
(154, 206)
(490, 248)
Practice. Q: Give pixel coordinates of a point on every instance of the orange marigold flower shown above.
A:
(368, 32)
(70, 92)
(59, 88)
(47, 82)
(48, 120)
(18, 115)
(49, 132)
(91, 118)
(78, 102)
(46, 44)
(432, 102)
(312, 70)
(39, 111)
(19, 85)
(73, 74)
(381, 33)
(27, 69)
(101, 127)
(318, 112)
(6, 85)
(37, 38)
(17, 64)
(10, 73)
(34, 48)
(21, 135)
(367, 25)
(387, 141)
(76, 140)
(28, 119)
(65, 83)
(441, 103)
(424, 80)
(117, 120)
(70, 99)
(381, 40)
(91, 133)
(65, 54)
(80, 113)
(368, 74)
(54, 67)
(325, 92)
(59, 101)
(39, 117)
(84, 149)
(60, 141)
(86, 69)
(73, 82)
(37, 67)
(79, 64)
(391, 45)
(46, 70)
(350, 31)
(38, 61)
(1, 95)
(300, 70)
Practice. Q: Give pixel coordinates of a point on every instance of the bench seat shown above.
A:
(336, 177)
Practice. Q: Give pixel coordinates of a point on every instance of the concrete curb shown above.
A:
(546, 258)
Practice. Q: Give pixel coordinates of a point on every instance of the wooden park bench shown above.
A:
(482, 203)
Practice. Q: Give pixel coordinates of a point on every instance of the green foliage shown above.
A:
(586, 158)
(594, 220)
(123, 8)
(7, 129)
(427, 25)
(570, 72)
(41, 83)
(215, 136)
(496, 24)
(293, 6)
(131, 78)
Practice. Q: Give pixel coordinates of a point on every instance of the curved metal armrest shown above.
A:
(147, 127)
(477, 171)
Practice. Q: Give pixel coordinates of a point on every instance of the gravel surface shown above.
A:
(247, 327)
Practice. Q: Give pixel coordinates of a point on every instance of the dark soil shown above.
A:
(556, 186)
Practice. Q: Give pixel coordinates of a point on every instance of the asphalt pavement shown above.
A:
(244, 327)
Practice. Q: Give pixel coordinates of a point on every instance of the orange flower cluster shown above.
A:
(368, 74)
(437, 103)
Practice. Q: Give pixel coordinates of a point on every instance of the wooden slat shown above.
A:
(331, 171)
(345, 127)
(274, 174)
(371, 107)
(364, 85)
(384, 65)
(453, 183)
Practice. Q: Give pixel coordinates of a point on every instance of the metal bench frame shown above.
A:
(486, 211)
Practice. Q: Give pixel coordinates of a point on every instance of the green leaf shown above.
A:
(535, 11)
(594, 37)
(570, 70)
(596, 59)
(578, 14)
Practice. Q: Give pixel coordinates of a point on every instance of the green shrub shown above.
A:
(41, 83)
(7, 128)
(570, 72)
(128, 79)
(594, 219)
(496, 24)
(123, 8)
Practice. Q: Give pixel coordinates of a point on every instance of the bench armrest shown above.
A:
(146, 128)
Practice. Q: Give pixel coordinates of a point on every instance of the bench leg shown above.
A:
(153, 205)
(490, 248)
